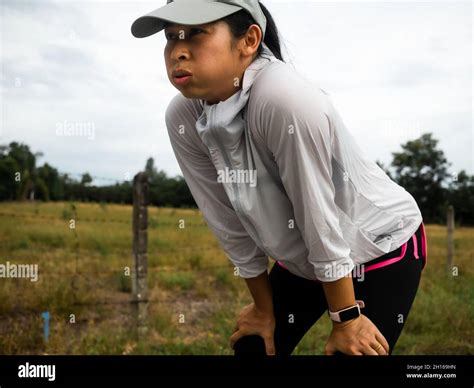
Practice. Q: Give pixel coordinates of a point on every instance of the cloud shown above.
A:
(63, 65)
(393, 70)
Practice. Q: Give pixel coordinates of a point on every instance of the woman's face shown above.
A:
(207, 53)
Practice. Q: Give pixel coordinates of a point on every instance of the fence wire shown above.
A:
(109, 275)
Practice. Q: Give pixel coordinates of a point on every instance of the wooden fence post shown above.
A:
(450, 221)
(140, 240)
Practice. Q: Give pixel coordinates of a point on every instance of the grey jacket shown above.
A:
(276, 173)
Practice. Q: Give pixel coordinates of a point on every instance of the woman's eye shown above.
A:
(196, 30)
(172, 36)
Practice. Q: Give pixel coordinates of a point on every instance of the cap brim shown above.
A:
(188, 13)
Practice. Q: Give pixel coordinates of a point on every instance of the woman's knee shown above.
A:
(250, 344)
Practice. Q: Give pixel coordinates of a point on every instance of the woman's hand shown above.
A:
(252, 321)
(356, 337)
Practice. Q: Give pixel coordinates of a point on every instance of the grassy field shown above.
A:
(83, 285)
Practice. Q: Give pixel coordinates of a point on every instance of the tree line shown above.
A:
(21, 179)
(420, 167)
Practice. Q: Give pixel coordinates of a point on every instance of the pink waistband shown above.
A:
(424, 245)
(424, 250)
(388, 261)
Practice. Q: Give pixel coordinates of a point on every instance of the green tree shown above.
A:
(164, 191)
(53, 182)
(25, 170)
(461, 196)
(86, 179)
(9, 176)
(422, 170)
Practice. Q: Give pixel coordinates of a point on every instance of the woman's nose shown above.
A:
(180, 52)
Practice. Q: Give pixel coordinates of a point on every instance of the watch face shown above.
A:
(349, 314)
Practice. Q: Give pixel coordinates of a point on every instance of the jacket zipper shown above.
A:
(238, 204)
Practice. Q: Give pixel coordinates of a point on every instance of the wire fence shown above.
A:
(85, 271)
(109, 278)
(85, 219)
(126, 177)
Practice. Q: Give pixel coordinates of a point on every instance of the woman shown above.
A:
(276, 173)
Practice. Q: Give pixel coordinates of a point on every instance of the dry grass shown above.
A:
(193, 291)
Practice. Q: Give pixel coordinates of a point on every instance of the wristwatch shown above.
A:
(348, 313)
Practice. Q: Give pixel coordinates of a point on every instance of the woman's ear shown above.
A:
(251, 40)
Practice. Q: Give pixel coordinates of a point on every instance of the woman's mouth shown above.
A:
(181, 76)
(182, 80)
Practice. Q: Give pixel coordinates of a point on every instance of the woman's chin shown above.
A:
(189, 94)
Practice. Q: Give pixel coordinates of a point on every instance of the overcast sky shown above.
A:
(394, 70)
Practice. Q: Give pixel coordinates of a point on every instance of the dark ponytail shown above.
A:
(239, 23)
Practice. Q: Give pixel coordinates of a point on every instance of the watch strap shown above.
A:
(347, 313)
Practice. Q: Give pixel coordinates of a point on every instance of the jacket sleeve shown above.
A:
(298, 132)
(201, 177)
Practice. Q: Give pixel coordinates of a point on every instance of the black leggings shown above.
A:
(387, 291)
